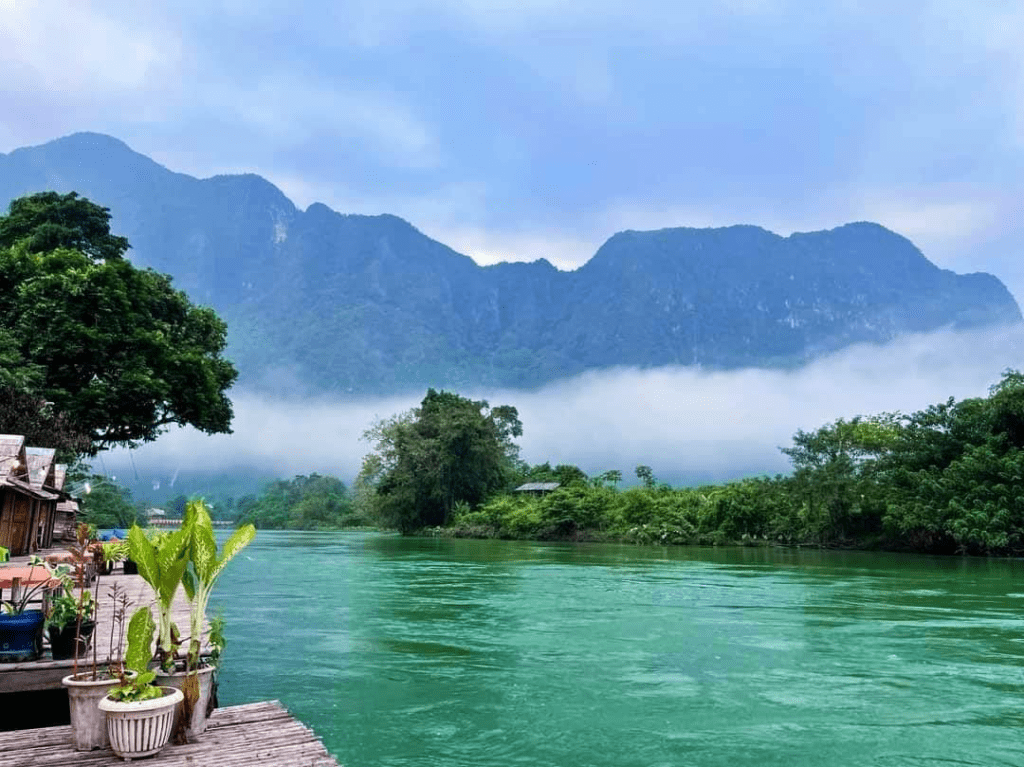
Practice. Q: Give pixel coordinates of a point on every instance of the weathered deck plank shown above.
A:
(238, 736)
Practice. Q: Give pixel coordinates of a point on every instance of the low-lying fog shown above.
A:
(687, 424)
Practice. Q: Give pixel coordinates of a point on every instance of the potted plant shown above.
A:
(114, 552)
(189, 557)
(161, 563)
(21, 629)
(139, 713)
(86, 689)
(196, 673)
(70, 625)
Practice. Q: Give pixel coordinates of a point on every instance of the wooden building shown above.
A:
(28, 496)
(66, 512)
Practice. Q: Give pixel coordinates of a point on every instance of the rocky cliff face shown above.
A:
(320, 301)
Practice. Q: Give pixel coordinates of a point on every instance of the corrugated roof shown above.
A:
(69, 506)
(537, 487)
(11, 444)
(60, 473)
(12, 448)
(26, 489)
(40, 465)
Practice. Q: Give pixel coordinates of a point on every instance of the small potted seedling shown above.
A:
(86, 688)
(70, 624)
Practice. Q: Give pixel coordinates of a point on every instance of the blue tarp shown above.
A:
(106, 535)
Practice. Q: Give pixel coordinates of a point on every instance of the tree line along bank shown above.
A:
(945, 479)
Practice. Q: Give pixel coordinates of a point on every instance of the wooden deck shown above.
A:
(238, 736)
(45, 673)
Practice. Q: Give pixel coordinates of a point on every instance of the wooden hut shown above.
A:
(537, 488)
(21, 502)
(42, 477)
(66, 512)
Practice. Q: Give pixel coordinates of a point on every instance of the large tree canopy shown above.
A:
(48, 220)
(449, 450)
(115, 350)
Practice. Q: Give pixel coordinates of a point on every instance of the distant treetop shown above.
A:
(47, 220)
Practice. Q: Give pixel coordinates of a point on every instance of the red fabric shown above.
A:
(30, 576)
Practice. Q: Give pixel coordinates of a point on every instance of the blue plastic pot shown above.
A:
(21, 636)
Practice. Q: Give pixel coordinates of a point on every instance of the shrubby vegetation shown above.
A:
(304, 503)
(949, 478)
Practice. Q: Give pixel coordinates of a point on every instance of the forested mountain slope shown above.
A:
(319, 301)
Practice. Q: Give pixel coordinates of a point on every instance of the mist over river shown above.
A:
(433, 652)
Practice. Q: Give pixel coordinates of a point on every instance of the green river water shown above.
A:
(450, 652)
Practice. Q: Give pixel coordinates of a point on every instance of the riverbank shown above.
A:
(758, 511)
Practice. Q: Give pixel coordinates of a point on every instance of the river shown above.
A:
(434, 652)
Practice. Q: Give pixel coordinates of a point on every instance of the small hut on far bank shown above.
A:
(537, 488)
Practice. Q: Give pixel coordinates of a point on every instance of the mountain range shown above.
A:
(323, 302)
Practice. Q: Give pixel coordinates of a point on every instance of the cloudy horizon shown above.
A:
(687, 424)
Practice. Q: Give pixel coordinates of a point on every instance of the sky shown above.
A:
(521, 129)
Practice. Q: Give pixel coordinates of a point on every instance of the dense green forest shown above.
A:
(315, 502)
(946, 479)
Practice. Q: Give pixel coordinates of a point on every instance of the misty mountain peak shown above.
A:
(358, 304)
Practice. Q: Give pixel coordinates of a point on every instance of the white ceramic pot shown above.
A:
(197, 726)
(140, 727)
(88, 723)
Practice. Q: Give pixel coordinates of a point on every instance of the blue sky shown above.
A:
(519, 129)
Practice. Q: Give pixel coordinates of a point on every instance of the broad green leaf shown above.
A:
(204, 552)
(241, 538)
(144, 555)
(140, 640)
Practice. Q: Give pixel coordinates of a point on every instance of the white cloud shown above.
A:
(680, 421)
(490, 245)
(287, 110)
(939, 220)
(74, 49)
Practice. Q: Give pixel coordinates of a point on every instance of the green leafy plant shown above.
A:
(115, 551)
(67, 609)
(205, 567)
(218, 641)
(162, 567)
(140, 643)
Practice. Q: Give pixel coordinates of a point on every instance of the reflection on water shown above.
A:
(456, 652)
